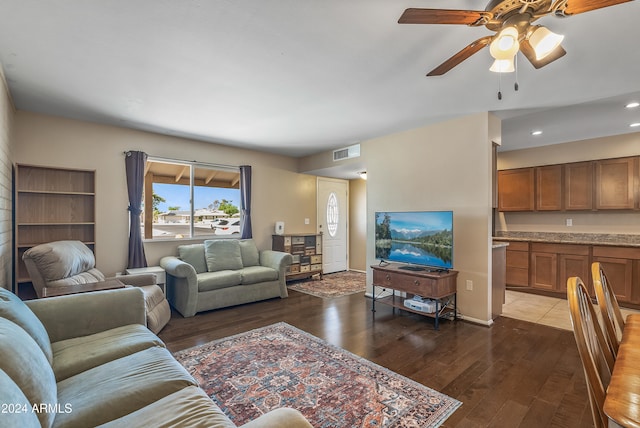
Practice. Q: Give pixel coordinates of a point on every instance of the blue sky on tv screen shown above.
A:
(419, 220)
(177, 195)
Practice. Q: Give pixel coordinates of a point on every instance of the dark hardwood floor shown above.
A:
(513, 374)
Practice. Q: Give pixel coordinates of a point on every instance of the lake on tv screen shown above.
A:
(409, 253)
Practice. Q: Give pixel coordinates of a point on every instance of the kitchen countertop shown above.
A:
(571, 238)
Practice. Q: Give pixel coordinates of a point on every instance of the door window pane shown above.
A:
(332, 214)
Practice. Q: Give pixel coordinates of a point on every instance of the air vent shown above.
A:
(346, 153)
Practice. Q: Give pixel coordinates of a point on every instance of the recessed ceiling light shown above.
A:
(633, 125)
(536, 132)
(633, 105)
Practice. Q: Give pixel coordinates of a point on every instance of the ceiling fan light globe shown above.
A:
(505, 44)
(544, 41)
(503, 66)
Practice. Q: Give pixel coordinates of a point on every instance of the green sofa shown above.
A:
(223, 272)
(88, 360)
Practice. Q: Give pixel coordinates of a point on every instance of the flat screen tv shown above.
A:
(421, 240)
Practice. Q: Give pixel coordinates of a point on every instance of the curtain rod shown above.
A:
(193, 162)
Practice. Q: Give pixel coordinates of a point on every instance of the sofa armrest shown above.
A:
(139, 280)
(77, 315)
(181, 284)
(277, 260)
(283, 417)
(178, 268)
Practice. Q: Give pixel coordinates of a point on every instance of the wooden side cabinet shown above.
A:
(51, 204)
(615, 183)
(516, 189)
(440, 286)
(306, 251)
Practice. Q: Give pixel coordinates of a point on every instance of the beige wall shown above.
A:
(358, 225)
(446, 166)
(6, 242)
(279, 192)
(583, 222)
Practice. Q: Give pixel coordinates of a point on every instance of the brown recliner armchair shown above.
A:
(63, 263)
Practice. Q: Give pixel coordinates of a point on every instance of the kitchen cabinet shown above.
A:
(616, 183)
(578, 186)
(548, 188)
(622, 266)
(516, 189)
(517, 264)
(605, 184)
(552, 264)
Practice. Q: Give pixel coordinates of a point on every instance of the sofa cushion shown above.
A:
(92, 275)
(216, 280)
(188, 407)
(16, 411)
(255, 274)
(119, 387)
(222, 254)
(73, 356)
(249, 252)
(62, 260)
(194, 255)
(24, 362)
(14, 309)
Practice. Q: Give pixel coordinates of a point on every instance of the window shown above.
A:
(170, 188)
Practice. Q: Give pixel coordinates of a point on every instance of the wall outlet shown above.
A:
(469, 285)
(306, 221)
(569, 222)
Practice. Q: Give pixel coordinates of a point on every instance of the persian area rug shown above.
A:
(332, 285)
(251, 373)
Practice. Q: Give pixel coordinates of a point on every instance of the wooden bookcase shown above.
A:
(306, 250)
(51, 204)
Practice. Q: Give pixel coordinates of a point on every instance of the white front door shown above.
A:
(333, 213)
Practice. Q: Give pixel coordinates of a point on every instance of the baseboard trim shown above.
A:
(488, 323)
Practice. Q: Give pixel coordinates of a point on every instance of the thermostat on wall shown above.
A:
(279, 227)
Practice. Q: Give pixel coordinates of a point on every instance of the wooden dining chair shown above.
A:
(611, 316)
(595, 352)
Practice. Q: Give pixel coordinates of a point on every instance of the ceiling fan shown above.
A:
(512, 21)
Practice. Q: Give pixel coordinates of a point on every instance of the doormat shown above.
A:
(332, 285)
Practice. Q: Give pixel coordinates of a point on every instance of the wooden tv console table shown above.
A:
(439, 286)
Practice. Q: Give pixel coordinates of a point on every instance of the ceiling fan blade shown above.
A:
(574, 7)
(440, 16)
(527, 51)
(460, 56)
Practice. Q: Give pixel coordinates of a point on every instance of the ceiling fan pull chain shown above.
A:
(515, 85)
(500, 86)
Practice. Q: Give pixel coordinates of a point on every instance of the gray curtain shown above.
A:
(245, 201)
(135, 162)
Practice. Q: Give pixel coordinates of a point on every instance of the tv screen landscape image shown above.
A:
(423, 238)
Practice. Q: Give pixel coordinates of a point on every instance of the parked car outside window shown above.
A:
(226, 227)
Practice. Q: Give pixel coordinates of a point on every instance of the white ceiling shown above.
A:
(297, 77)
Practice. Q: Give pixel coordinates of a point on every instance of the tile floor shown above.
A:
(541, 309)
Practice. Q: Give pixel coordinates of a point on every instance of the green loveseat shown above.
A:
(223, 272)
(88, 360)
